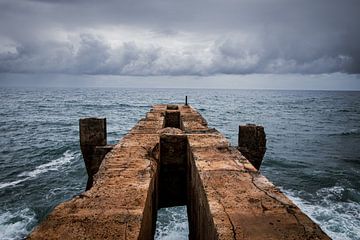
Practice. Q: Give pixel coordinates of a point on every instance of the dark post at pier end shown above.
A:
(252, 143)
(186, 102)
(93, 145)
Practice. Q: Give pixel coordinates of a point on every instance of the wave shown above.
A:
(339, 219)
(351, 132)
(115, 105)
(172, 224)
(13, 183)
(15, 225)
(53, 165)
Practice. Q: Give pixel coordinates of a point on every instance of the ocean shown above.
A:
(313, 148)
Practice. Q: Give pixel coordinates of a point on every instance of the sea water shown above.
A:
(313, 148)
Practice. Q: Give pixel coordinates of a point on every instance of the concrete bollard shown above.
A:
(173, 170)
(93, 145)
(252, 143)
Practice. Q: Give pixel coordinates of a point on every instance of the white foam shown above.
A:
(175, 226)
(15, 225)
(339, 219)
(8, 184)
(53, 165)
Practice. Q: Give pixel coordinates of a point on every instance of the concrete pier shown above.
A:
(93, 145)
(170, 158)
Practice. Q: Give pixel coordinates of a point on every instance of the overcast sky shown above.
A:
(187, 37)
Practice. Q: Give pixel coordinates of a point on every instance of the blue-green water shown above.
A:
(313, 150)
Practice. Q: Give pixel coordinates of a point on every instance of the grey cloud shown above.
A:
(263, 36)
(274, 54)
(227, 56)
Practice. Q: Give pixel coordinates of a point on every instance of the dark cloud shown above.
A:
(179, 37)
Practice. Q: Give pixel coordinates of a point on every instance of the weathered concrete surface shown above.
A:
(93, 145)
(241, 203)
(252, 143)
(119, 205)
(226, 197)
(173, 170)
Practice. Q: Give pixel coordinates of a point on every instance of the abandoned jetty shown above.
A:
(170, 158)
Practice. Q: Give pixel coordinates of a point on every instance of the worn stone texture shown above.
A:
(252, 143)
(93, 144)
(227, 198)
(173, 169)
(119, 205)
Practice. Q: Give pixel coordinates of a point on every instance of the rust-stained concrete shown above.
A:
(226, 197)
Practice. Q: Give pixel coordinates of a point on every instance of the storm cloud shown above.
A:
(179, 37)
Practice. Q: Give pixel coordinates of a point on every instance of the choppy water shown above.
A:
(313, 148)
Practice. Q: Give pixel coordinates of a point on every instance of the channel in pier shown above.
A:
(172, 158)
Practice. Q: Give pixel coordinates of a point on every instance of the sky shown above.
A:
(248, 40)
